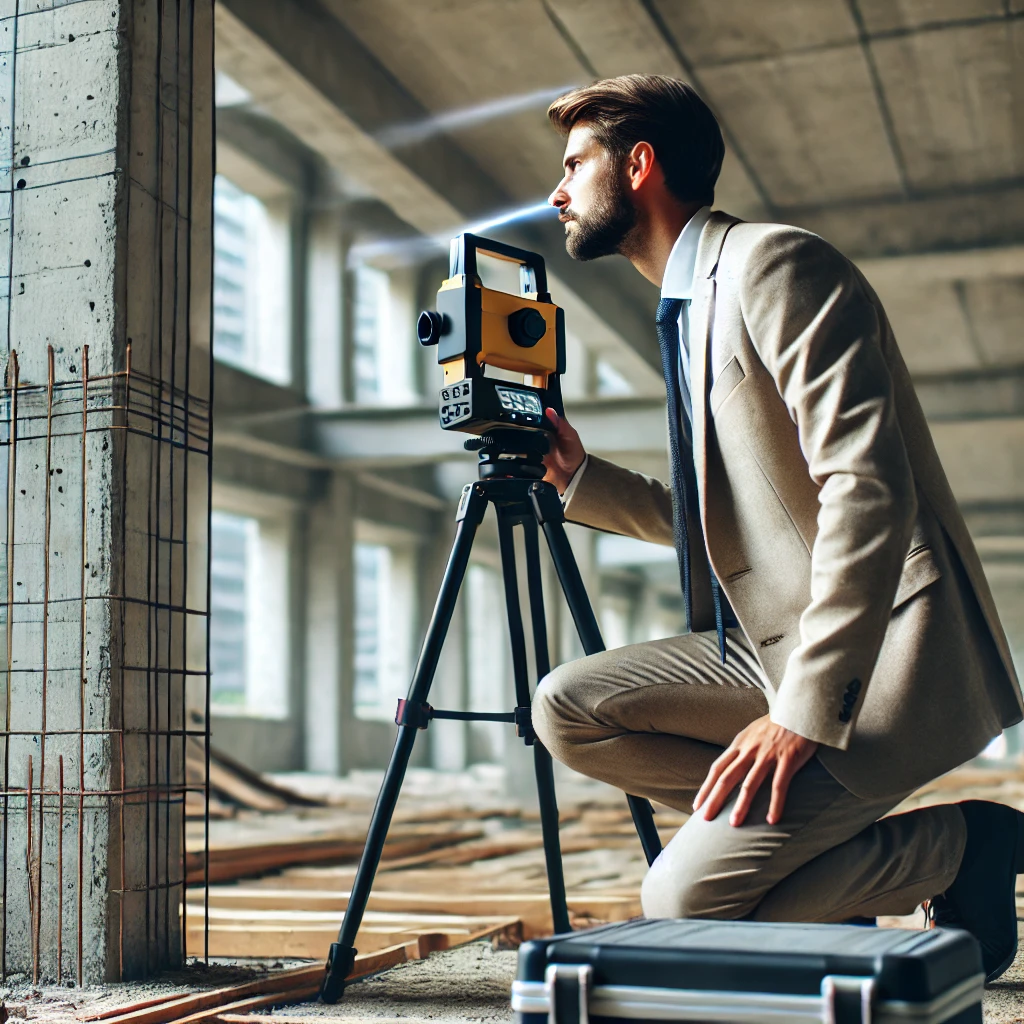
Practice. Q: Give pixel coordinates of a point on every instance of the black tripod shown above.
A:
(510, 472)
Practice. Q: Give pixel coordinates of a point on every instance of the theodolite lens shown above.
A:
(526, 327)
(429, 327)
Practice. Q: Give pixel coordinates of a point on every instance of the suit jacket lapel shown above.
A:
(702, 305)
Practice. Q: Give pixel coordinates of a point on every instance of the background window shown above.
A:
(230, 544)
(251, 281)
(385, 615)
(385, 353)
(370, 325)
(249, 613)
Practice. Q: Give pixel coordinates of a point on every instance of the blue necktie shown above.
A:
(685, 499)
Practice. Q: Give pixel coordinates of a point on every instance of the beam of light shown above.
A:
(508, 217)
(412, 132)
(420, 247)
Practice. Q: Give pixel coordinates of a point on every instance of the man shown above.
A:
(844, 648)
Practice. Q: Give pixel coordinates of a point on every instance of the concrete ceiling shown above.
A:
(892, 127)
(824, 101)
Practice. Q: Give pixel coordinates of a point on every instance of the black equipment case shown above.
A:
(750, 973)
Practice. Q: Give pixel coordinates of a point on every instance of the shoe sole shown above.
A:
(1018, 868)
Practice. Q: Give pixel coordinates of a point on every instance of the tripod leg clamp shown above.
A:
(524, 725)
(411, 713)
(340, 962)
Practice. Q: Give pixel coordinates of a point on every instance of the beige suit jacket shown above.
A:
(827, 515)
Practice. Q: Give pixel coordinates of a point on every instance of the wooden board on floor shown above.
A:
(283, 933)
(533, 909)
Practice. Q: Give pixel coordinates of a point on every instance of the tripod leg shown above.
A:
(343, 952)
(542, 765)
(547, 507)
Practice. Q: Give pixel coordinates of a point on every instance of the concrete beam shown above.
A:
(263, 417)
(957, 265)
(980, 395)
(237, 392)
(410, 436)
(307, 71)
(267, 143)
(950, 220)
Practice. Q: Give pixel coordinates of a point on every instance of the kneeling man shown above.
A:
(843, 646)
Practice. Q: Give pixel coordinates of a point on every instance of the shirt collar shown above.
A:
(678, 280)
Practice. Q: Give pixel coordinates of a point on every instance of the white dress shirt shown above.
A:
(676, 284)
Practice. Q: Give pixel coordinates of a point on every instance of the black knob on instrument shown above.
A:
(526, 327)
(429, 327)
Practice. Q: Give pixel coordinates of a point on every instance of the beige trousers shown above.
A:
(651, 718)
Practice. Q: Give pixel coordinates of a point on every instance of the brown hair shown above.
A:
(662, 111)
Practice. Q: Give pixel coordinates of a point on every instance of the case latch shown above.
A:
(846, 1000)
(567, 988)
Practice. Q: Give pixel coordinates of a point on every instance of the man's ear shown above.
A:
(640, 164)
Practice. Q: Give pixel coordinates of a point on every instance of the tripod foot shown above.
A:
(340, 962)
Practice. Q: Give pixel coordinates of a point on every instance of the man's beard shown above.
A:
(603, 230)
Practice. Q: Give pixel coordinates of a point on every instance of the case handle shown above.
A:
(846, 1000)
(567, 988)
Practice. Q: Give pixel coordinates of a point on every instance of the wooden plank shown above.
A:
(176, 1009)
(290, 997)
(277, 1018)
(258, 781)
(276, 987)
(230, 862)
(228, 784)
(534, 909)
(258, 933)
(141, 1005)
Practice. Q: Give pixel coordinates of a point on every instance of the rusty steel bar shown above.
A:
(82, 658)
(60, 871)
(121, 852)
(12, 465)
(28, 871)
(47, 526)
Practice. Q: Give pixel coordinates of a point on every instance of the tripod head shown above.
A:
(512, 454)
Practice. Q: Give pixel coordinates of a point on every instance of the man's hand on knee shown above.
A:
(760, 750)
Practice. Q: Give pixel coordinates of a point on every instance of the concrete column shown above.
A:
(330, 590)
(325, 374)
(584, 547)
(105, 219)
(448, 741)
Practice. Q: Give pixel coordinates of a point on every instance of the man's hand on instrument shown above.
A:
(761, 749)
(566, 454)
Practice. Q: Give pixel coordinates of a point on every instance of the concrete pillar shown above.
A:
(448, 741)
(330, 574)
(584, 547)
(105, 220)
(325, 374)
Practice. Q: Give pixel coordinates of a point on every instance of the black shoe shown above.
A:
(982, 899)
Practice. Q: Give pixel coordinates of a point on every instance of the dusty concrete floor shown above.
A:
(471, 983)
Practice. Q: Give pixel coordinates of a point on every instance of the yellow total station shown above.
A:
(475, 327)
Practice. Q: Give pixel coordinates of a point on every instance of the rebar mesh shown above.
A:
(104, 670)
